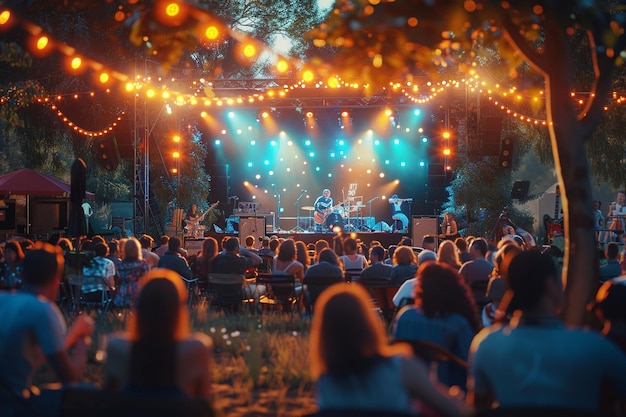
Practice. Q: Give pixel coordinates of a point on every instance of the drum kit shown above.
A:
(342, 216)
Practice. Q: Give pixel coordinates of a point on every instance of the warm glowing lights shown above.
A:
(5, 17)
(172, 9)
(104, 78)
(212, 32)
(249, 50)
(447, 152)
(176, 154)
(446, 134)
(282, 66)
(76, 63)
(176, 138)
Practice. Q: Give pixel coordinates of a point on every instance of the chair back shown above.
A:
(352, 274)
(280, 290)
(88, 291)
(315, 286)
(227, 290)
(382, 295)
(266, 264)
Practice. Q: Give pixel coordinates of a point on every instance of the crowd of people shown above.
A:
(494, 309)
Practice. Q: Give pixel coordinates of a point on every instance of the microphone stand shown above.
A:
(298, 228)
(277, 208)
(370, 211)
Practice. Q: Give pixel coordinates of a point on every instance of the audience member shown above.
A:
(11, 268)
(444, 313)
(328, 266)
(32, 328)
(610, 308)
(319, 246)
(173, 260)
(205, 262)
(302, 254)
(265, 247)
(164, 247)
(100, 266)
(405, 265)
(286, 263)
(536, 361)
(146, 251)
(377, 269)
(351, 260)
(250, 243)
(448, 254)
(461, 244)
(428, 242)
(476, 272)
(157, 356)
(130, 271)
(612, 267)
(354, 367)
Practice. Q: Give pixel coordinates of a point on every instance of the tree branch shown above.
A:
(519, 42)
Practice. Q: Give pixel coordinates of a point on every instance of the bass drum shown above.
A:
(334, 219)
(342, 211)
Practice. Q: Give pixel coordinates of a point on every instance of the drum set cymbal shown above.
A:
(308, 208)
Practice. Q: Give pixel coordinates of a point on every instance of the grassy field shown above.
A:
(260, 363)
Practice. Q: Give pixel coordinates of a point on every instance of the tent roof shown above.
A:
(29, 182)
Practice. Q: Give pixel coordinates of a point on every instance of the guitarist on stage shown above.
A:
(617, 215)
(323, 206)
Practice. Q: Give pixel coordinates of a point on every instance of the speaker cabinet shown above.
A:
(252, 226)
(423, 226)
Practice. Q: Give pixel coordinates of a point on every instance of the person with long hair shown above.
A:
(444, 313)
(11, 276)
(302, 254)
(204, 263)
(448, 253)
(354, 367)
(130, 271)
(157, 355)
(286, 261)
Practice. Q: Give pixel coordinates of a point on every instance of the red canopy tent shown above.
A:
(29, 182)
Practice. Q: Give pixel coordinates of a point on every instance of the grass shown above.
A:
(260, 365)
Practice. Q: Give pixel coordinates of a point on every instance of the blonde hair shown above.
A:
(448, 253)
(404, 255)
(132, 250)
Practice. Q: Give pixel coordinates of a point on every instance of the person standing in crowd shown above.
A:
(354, 367)
(537, 361)
(32, 328)
(158, 356)
(323, 206)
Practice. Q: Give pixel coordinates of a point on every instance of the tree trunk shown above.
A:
(580, 264)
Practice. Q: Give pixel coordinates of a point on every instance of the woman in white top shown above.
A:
(351, 259)
(285, 261)
(157, 356)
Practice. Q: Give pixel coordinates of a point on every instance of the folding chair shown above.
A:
(280, 292)
(314, 286)
(90, 292)
(229, 292)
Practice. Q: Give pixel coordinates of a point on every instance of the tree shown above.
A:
(395, 40)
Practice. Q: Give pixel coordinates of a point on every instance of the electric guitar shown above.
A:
(195, 223)
(320, 216)
(554, 225)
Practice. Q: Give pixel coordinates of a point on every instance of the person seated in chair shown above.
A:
(157, 355)
(536, 360)
(377, 270)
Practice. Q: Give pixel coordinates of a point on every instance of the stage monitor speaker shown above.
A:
(423, 226)
(251, 226)
(193, 246)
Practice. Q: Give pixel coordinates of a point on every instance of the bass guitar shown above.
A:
(192, 224)
(554, 225)
(320, 216)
